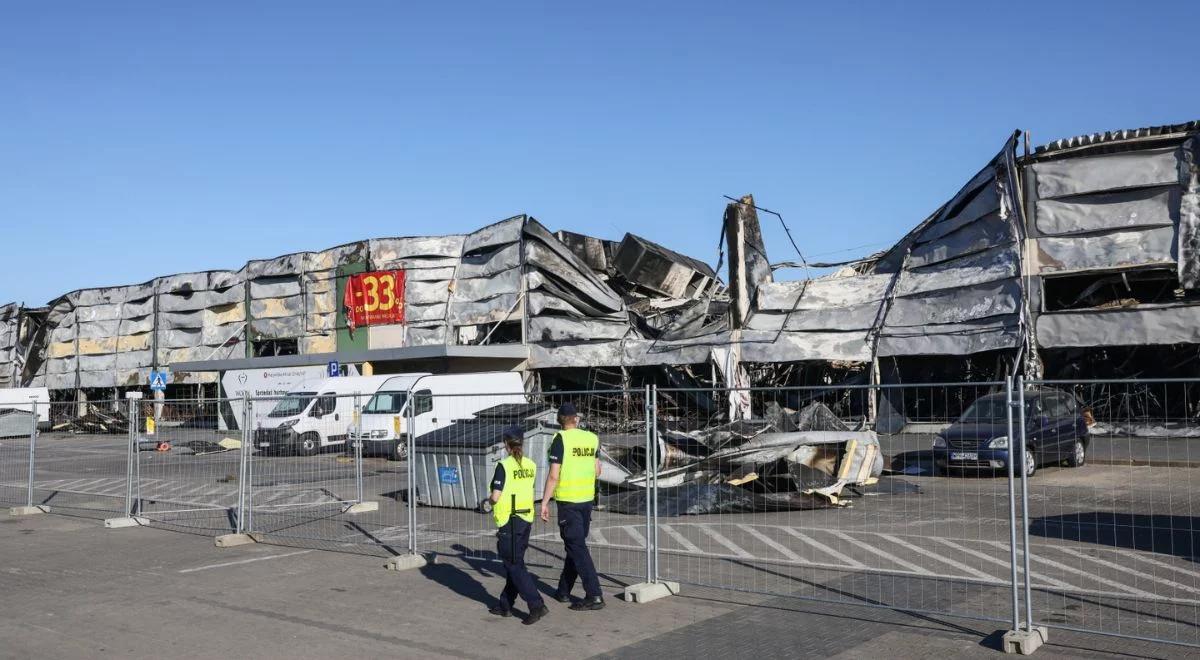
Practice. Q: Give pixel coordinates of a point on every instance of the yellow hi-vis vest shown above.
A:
(577, 475)
(518, 480)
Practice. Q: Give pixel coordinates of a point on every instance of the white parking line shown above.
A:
(772, 543)
(733, 547)
(988, 558)
(1071, 569)
(854, 563)
(933, 555)
(680, 539)
(637, 536)
(886, 555)
(1162, 564)
(598, 537)
(244, 561)
(1126, 569)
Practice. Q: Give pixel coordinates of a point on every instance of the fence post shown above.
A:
(649, 408)
(1012, 501)
(652, 588)
(652, 540)
(1027, 640)
(358, 440)
(29, 509)
(412, 559)
(128, 519)
(247, 441)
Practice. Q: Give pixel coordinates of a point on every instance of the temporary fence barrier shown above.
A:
(874, 495)
(1114, 549)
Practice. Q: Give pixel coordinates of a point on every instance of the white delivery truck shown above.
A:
(437, 401)
(313, 416)
(26, 398)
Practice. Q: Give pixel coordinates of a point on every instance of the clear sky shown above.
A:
(140, 139)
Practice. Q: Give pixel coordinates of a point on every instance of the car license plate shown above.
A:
(264, 444)
(964, 455)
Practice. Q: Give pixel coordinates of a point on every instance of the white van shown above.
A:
(314, 415)
(24, 398)
(437, 402)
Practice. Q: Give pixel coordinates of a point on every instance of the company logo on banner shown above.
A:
(375, 298)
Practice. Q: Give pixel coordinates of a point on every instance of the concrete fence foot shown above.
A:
(407, 562)
(234, 540)
(28, 510)
(127, 521)
(649, 591)
(362, 507)
(1025, 642)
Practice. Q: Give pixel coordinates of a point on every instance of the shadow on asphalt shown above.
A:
(1163, 534)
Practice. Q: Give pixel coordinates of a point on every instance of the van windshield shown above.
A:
(386, 403)
(293, 404)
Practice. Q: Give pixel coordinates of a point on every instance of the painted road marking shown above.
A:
(772, 543)
(886, 555)
(716, 536)
(853, 563)
(1126, 569)
(245, 561)
(680, 539)
(1004, 564)
(636, 535)
(933, 555)
(1070, 569)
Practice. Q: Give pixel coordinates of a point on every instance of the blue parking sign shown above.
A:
(448, 475)
(335, 369)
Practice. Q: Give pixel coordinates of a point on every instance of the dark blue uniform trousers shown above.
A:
(511, 542)
(574, 522)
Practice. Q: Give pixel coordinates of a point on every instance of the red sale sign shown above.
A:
(375, 298)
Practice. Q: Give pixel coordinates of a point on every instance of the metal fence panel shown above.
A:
(458, 442)
(82, 460)
(185, 468)
(837, 494)
(308, 482)
(1112, 507)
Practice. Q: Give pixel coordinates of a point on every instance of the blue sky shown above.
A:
(140, 139)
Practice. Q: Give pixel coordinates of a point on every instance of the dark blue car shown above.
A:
(1055, 432)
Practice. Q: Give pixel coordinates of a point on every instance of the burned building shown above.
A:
(1075, 259)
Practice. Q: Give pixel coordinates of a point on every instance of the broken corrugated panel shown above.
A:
(1143, 325)
(1188, 249)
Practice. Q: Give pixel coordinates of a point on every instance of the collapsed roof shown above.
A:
(1089, 241)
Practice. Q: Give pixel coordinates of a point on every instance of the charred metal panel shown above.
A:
(1087, 174)
(1114, 250)
(1120, 327)
(1145, 207)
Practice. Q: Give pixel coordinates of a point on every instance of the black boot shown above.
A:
(499, 610)
(562, 598)
(535, 615)
(589, 603)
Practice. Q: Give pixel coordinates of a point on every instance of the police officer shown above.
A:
(574, 466)
(512, 509)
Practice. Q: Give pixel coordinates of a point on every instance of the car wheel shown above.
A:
(398, 452)
(1078, 455)
(309, 444)
(1030, 461)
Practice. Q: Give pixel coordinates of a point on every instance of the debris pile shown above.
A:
(94, 421)
(786, 459)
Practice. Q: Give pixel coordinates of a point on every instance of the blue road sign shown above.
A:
(335, 369)
(158, 381)
(448, 475)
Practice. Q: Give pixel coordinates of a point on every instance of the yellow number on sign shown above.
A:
(388, 282)
(372, 292)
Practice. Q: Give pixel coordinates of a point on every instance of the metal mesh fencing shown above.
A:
(82, 460)
(18, 434)
(459, 440)
(309, 480)
(1114, 536)
(840, 494)
(185, 467)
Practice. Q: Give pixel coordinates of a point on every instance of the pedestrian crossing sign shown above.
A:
(158, 381)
